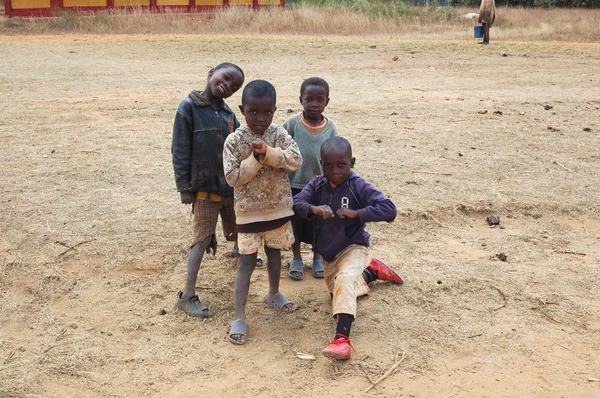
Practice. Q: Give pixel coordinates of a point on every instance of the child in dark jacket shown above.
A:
(345, 203)
(202, 123)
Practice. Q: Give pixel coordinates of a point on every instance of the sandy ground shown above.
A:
(94, 240)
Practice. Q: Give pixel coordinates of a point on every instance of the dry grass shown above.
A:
(513, 24)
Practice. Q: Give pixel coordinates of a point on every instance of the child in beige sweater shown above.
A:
(256, 161)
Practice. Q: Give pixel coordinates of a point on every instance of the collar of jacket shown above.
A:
(325, 182)
(244, 129)
(199, 100)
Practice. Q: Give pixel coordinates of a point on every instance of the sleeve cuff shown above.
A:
(363, 215)
(251, 164)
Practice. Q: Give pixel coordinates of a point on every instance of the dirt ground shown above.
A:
(94, 239)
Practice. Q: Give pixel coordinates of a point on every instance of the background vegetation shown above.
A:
(385, 7)
(327, 17)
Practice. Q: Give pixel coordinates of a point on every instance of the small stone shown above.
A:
(439, 282)
(547, 107)
(587, 129)
(501, 257)
(162, 311)
(395, 58)
(290, 110)
(378, 140)
(373, 46)
(492, 220)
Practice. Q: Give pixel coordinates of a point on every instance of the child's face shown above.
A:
(336, 165)
(258, 113)
(314, 99)
(224, 82)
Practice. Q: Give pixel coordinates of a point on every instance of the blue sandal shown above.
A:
(318, 269)
(238, 328)
(296, 271)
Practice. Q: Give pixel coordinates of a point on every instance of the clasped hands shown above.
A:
(326, 212)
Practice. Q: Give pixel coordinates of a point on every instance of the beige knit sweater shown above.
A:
(261, 187)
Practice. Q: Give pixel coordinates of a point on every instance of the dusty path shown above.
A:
(452, 131)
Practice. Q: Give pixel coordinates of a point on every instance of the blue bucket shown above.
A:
(478, 31)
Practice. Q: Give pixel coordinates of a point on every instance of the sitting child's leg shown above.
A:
(378, 270)
(237, 334)
(350, 265)
(343, 277)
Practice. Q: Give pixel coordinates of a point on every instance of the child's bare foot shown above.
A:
(238, 332)
(279, 302)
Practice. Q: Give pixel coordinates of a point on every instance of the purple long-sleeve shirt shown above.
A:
(335, 234)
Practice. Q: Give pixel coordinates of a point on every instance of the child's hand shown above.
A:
(212, 245)
(323, 211)
(259, 147)
(347, 213)
(187, 198)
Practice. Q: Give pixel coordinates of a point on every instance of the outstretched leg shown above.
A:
(378, 270)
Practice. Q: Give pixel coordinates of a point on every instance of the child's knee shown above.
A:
(247, 262)
(272, 253)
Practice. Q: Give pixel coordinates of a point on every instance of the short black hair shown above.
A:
(259, 89)
(230, 65)
(336, 143)
(314, 81)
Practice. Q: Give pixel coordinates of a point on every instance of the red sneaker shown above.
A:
(338, 348)
(384, 272)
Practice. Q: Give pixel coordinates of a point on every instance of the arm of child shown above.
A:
(303, 200)
(285, 154)
(306, 207)
(377, 206)
(181, 149)
(238, 171)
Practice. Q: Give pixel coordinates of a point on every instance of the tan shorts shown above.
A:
(279, 238)
(206, 214)
(343, 277)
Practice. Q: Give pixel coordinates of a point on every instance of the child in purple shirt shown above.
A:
(345, 203)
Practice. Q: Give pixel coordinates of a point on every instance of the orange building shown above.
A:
(46, 8)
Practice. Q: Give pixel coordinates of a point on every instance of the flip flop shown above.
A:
(318, 269)
(279, 302)
(238, 327)
(296, 271)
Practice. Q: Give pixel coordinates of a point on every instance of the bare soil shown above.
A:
(93, 238)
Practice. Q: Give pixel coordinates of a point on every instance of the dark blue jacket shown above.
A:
(199, 133)
(335, 234)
